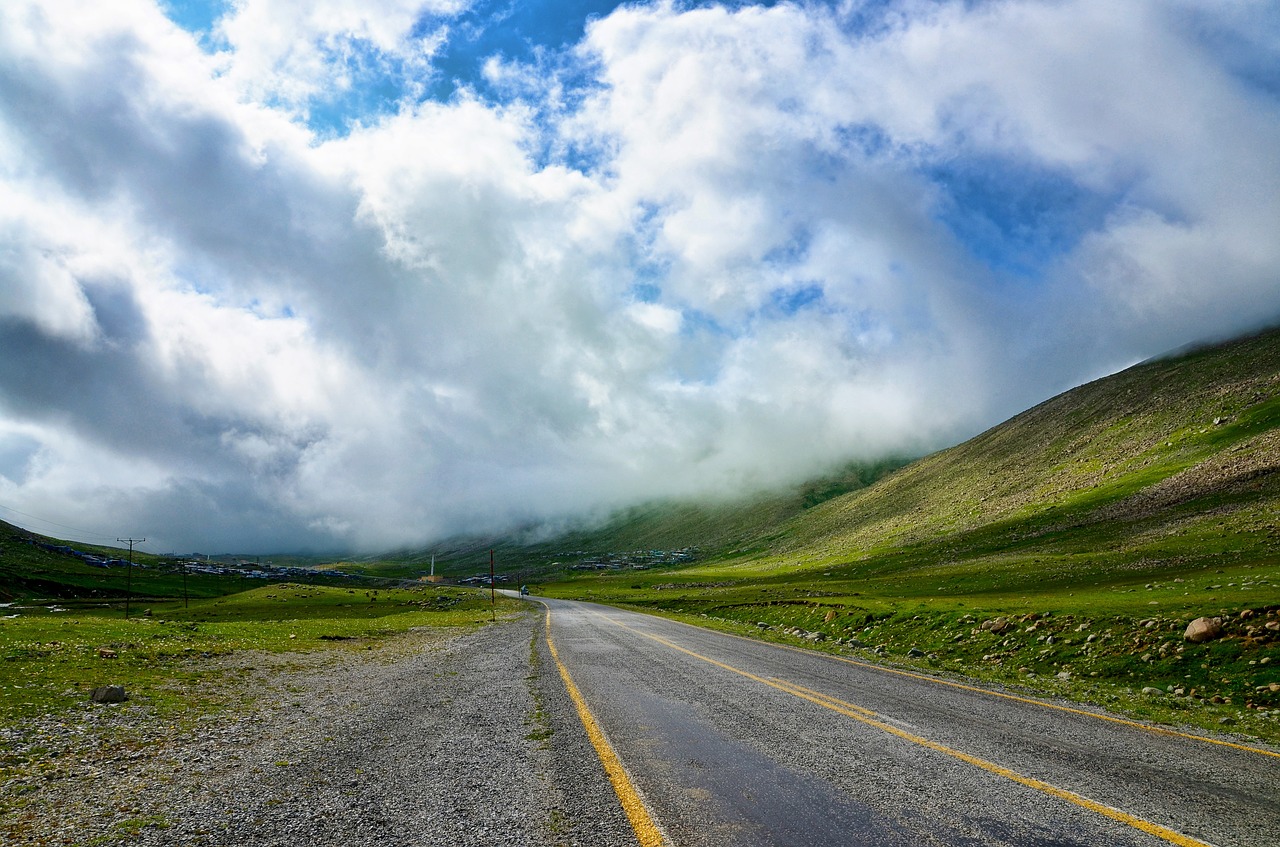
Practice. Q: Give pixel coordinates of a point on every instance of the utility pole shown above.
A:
(128, 595)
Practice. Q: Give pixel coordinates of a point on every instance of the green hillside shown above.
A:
(42, 570)
(1173, 448)
(1121, 510)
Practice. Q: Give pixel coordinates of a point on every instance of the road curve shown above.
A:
(725, 740)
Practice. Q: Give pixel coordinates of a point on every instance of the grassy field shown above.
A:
(51, 661)
(181, 667)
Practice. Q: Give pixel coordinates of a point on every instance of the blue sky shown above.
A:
(361, 275)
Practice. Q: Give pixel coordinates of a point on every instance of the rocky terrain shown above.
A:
(437, 737)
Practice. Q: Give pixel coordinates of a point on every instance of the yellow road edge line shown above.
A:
(1158, 730)
(1161, 832)
(646, 831)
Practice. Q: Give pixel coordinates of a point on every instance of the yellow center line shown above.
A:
(647, 832)
(826, 698)
(866, 716)
(1158, 730)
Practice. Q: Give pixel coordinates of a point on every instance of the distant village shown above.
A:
(637, 560)
(194, 564)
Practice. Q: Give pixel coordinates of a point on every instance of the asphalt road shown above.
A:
(730, 741)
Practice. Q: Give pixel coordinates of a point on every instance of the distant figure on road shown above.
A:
(524, 591)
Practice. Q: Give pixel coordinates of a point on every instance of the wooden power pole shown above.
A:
(128, 591)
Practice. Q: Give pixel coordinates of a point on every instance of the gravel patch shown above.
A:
(431, 738)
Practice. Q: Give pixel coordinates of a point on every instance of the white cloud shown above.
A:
(291, 51)
(757, 243)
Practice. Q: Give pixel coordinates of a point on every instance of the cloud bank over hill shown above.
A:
(331, 275)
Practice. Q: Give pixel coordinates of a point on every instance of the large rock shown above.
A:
(1203, 629)
(109, 694)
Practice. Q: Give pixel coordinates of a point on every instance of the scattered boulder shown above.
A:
(995, 625)
(915, 653)
(109, 694)
(1203, 629)
(1152, 692)
(107, 653)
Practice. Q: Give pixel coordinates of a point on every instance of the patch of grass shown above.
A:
(541, 730)
(132, 827)
(50, 662)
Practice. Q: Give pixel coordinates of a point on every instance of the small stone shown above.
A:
(1227, 721)
(915, 653)
(1152, 692)
(107, 653)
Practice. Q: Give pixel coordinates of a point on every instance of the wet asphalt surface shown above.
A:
(724, 741)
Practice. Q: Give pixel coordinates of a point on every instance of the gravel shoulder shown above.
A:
(434, 737)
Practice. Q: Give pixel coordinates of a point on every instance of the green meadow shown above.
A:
(164, 655)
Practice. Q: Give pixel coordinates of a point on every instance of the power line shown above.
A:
(74, 529)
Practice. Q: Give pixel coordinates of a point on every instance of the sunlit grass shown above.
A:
(50, 662)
